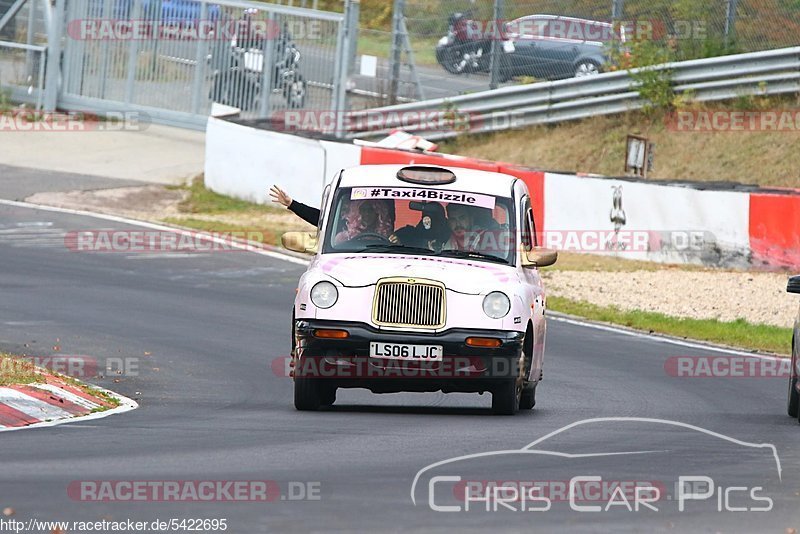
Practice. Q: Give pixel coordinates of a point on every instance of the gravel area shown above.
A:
(725, 296)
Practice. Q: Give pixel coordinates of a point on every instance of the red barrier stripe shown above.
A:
(49, 398)
(535, 181)
(11, 417)
(380, 156)
(775, 229)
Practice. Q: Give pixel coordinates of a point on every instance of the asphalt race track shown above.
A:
(204, 330)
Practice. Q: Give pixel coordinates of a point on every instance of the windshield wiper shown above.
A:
(472, 254)
(382, 247)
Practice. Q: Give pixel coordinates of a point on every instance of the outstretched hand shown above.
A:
(279, 196)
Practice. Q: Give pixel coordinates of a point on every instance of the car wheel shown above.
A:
(295, 93)
(586, 68)
(328, 395)
(307, 394)
(794, 399)
(453, 60)
(506, 397)
(528, 399)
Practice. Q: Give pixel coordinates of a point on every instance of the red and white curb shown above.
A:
(54, 402)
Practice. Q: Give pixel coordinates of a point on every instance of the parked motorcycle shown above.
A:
(239, 69)
(460, 52)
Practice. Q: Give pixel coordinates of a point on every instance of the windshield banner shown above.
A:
(414, 193)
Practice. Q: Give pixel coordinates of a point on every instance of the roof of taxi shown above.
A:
(489, 183)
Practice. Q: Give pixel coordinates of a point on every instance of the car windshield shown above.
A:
(421, 221)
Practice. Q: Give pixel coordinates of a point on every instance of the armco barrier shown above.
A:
(738, 227)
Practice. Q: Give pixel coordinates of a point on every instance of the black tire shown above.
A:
(585, 68)
(506, 397)
(450, 58)
(307, 394)
(528, 399)
(219, 91)
(793, 401)
(327, 395)
(295, 92)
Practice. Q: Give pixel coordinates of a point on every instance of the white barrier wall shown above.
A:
(243, 162)
(682, 224)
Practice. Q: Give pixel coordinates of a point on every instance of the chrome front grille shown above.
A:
(409, 302)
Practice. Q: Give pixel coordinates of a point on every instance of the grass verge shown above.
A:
(16, 370)
(738, 333)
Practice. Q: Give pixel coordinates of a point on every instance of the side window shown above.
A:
(532, 223)
(325, 193)
(528, 229)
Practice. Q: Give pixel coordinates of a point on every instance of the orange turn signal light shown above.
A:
(488, 342)
(331, 334)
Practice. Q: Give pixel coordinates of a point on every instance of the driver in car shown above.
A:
(468, 224)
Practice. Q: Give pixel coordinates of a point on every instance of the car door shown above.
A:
(533, 283)
(527, 34)
(561, 46)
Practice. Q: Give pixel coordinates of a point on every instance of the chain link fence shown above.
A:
(682, 29)
(23, 39)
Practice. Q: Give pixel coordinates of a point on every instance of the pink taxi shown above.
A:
(424, 278)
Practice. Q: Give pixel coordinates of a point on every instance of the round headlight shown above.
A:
(496, 305)
(324, 295)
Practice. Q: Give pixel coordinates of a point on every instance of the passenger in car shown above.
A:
(307, 213)
(468, 224)
(367, 217)
(431, 232)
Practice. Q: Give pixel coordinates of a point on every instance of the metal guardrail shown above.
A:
(719, 78)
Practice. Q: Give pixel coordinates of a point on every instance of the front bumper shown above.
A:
(347, 363)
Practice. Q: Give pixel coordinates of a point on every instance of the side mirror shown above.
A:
(794, 284)
(304, 242)
(539, 257)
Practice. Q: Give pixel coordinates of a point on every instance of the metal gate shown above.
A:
(172, 58)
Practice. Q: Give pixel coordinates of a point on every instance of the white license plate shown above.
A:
(401, 351)
(508, 46)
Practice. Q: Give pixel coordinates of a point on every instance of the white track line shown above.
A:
(250, 247)
(299, 261)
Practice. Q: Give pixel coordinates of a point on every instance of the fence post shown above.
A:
(267, 66)
(133, 55)
(198, 84)
(497, 49)
(617, 7)
(397, 49)
(340, 76)
(730, 21)
(53, 73)
(352, 11)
